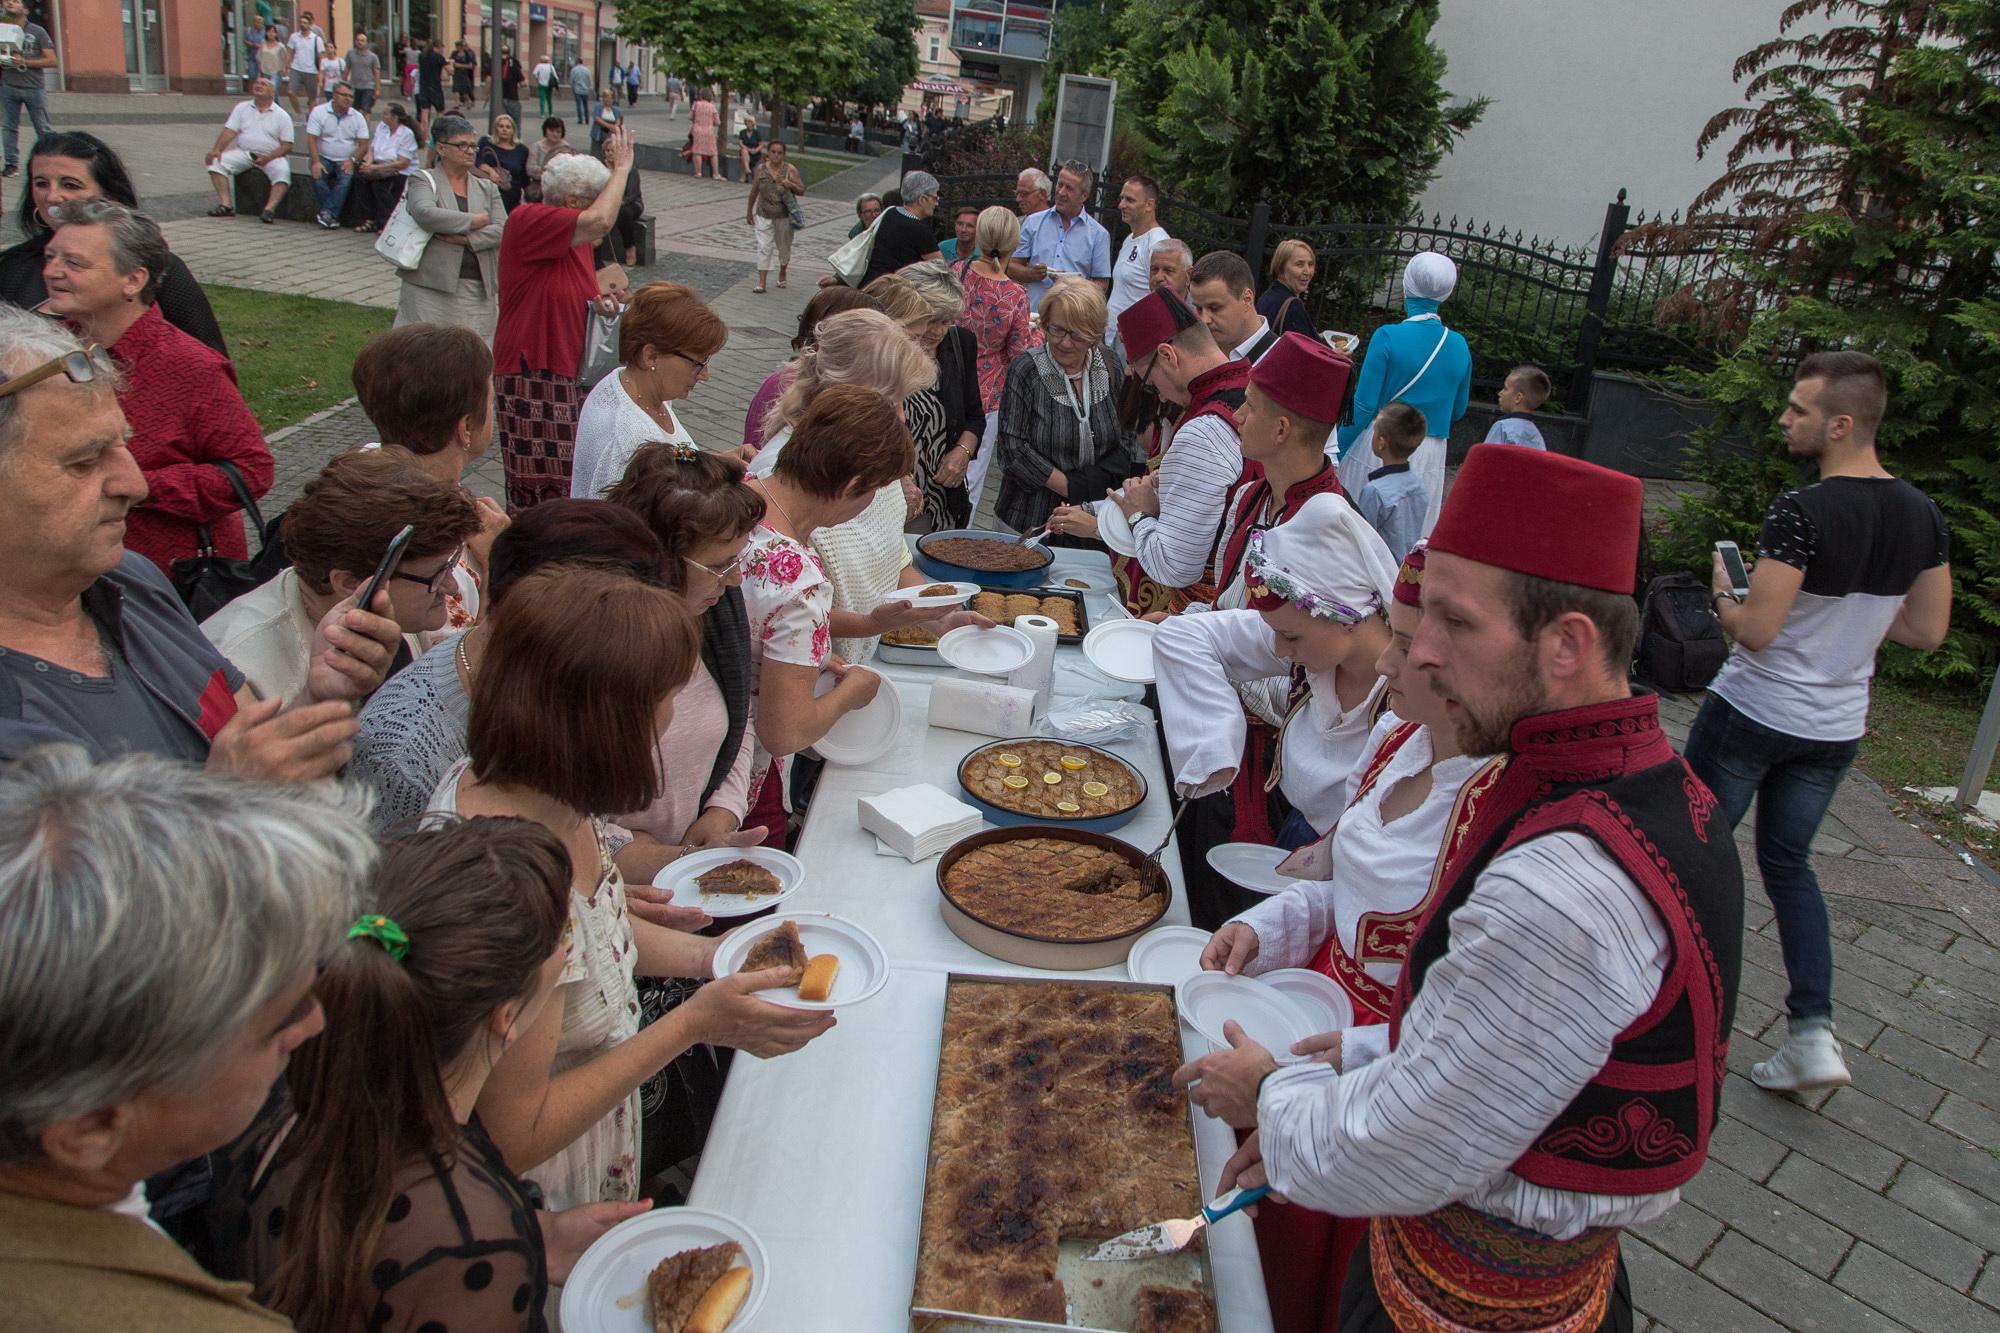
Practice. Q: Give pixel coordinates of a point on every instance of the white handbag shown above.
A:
(850, 261)
(402, 241)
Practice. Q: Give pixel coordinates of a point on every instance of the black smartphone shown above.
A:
(1732, 565)
(391, 558)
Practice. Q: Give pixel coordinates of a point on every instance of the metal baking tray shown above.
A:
(1103, 1298)
(913, 654)
(1044, 951)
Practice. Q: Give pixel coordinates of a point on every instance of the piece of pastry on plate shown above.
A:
(817, 982)
(739, 876)
(678, 1283)
(778, 948)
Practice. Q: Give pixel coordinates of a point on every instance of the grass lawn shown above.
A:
(293, 354)
(817, 169)
(1919, 736)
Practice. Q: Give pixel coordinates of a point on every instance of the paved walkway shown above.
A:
(1876, 1207)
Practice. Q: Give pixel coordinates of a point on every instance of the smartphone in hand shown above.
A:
(391, 558)
(1732, 565)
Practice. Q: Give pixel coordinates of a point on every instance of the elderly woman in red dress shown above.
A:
(547, 280)
(103, 268)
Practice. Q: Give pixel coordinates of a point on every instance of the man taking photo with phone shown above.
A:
(1856, 557)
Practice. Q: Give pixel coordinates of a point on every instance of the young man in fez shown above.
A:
(1558, 1039)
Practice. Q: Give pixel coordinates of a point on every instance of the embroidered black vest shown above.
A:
(1607, 771)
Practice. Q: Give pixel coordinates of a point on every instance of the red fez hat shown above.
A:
(1585, 519)
(1154, 318)
(1410, 578)
(1304, 377)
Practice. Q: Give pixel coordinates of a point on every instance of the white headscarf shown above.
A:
(1326, 560)
(1429, 276)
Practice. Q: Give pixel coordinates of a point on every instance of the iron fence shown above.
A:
(1571, 309)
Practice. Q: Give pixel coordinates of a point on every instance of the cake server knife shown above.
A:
(1172, 1237)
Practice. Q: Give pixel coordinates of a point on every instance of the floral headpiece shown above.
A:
(1270, 586)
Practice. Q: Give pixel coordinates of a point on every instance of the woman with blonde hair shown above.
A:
(1060, 436)
(996, 314)
(1283, 304)
(865, 557)
(948, 420)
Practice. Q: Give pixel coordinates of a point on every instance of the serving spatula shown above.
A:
(1174, 1236)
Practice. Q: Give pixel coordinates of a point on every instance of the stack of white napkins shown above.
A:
(917, 822)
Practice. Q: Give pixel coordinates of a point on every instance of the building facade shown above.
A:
(1002, 48)
(202, 46)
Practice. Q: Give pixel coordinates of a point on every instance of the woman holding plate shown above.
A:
(611, 653)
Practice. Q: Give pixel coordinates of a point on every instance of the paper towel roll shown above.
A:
(988, 709)
(1039, 672)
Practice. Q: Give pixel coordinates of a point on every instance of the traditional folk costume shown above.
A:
(1350, 915)
(1331, 562)
(1198, 466)
(1558, 1038)
(1420, 362)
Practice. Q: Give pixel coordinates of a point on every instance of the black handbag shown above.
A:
(207, 582)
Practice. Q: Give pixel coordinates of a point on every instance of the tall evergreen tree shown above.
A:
(1325, 108)
(1865, 168)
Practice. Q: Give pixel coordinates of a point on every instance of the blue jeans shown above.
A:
(1793, 781)
(582, 109)
(11, 101)
(330, 187)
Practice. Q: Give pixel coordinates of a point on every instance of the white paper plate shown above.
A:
(1268, 1016)
(1250, 864)
(599, 1296)
(1315, 992)
(1167, 956)
(1114, 529)
(986, 652)
(680, 876)
(1060, 578)
(961, 594)
(864, 968)
(1122, 649)
(866, 734)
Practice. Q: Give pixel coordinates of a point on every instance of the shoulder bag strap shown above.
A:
(1443, 333)
(1285, 311)
(243, 497)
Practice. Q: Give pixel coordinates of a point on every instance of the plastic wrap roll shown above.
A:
(1039, 672)
(982, 707)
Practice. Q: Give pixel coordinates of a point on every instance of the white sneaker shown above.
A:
(1808, 1058)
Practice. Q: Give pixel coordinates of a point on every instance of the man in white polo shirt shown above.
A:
(1131, 271)
(335, 132)
(257, 134)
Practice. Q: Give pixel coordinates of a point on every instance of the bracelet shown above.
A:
(1718, 596)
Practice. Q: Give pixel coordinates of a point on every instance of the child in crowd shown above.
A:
(1394, 501)
(1526, 389)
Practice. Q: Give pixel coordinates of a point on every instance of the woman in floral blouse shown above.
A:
(847, 445)
(996, 313)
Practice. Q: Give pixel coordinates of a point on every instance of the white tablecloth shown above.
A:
(822, 1152)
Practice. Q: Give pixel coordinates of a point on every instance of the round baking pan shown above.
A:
(944, 570)
(1093, 824)
(1043, 951)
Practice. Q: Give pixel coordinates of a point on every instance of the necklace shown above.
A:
(790, 522)
(464, 662)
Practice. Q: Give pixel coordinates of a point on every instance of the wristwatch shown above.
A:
(1715, 597)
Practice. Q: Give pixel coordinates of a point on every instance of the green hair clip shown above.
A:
(384, 932)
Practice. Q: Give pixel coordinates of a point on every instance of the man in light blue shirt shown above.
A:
(1062, 239)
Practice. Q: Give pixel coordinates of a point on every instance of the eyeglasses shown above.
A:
(460, 143)
(719, 575)
(79, 367)
(698, 364)
(432, 582)
(1056, 333)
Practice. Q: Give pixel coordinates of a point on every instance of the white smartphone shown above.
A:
(1732, 565)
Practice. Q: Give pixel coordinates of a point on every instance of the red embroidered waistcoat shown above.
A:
(1608, 772)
